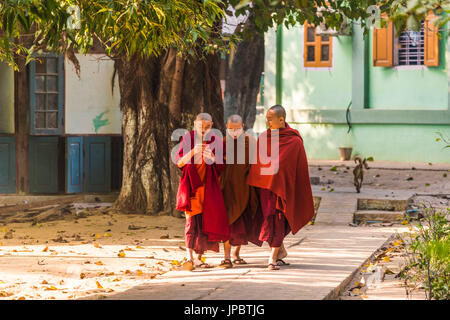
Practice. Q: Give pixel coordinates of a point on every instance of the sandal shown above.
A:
(189, 265)
(273, 266)
(239, 261)
(226, 264)
(203, 265)
(281, 262)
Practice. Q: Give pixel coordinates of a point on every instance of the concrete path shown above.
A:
(323, 259)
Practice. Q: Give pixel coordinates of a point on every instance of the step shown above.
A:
(382, 204)
(379, 215)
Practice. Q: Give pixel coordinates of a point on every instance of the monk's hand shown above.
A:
(208, 154)
(198, 148)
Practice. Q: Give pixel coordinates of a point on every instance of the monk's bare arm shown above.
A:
(188, 156)
(185, 159)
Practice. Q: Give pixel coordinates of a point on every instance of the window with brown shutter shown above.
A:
(431, 42)
(383, 46)
(317, 49)
(410, 48)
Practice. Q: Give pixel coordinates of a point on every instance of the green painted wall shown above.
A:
(6, 99)
(409, 87)
(307, 88)
(405, 143)
(330, 88)
(270, 52)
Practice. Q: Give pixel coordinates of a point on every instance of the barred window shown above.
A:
(411, 47)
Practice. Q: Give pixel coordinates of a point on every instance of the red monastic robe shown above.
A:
(291, 183)
(214, 217)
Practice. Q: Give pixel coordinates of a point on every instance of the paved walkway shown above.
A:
(324, 257)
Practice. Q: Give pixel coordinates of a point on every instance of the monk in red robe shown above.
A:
(281, 174)
(200, 157)
(241, 200)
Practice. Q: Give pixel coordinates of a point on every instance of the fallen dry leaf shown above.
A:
(388, 271)
(99, 263)
(139, 273)
(97, 245)
(82, 275)
(21, 298)
(4, 294)
(121, 254)
(51, 288)
(386, 259)
(44, 282)
(45, 249)
(99, 286)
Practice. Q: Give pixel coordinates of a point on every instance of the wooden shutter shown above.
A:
(7, 165)
(383, 46)
(431, 47)
(43, 164)
(74, 166)
(97, 163)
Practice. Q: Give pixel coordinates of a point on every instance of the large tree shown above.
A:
(166, 59)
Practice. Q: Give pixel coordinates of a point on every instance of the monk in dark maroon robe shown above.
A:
(199, 194)
(241, 200)
(281, 174)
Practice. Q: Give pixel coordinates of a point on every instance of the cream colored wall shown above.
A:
(6, 99)
(87, 97)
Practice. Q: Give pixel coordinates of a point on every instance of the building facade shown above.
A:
(386, 95)
(60, 132)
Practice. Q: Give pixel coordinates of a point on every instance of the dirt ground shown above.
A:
(106, 252)
(92, 255)
(420, 181)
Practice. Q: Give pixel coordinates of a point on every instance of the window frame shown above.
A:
(32, 92)
(318, 42)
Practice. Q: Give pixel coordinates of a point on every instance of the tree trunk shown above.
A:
(244, 78)
(158, 95)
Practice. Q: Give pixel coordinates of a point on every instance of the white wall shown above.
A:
(90, 95)
(6, 99)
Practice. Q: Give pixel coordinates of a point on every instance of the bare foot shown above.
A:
(282, 253)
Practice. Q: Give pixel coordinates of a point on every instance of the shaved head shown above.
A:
(279, 111)
(235, 118)
(203, 117)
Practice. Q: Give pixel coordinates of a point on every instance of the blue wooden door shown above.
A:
(98, 164)
(74, 167)
(43, 164)
(7, 165)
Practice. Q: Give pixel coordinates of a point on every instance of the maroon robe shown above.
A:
(291, 183)
(275, 226)
(212, 224)
(241, 200)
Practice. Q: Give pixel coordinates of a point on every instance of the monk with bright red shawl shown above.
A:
(284, 186)
(199, 193)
